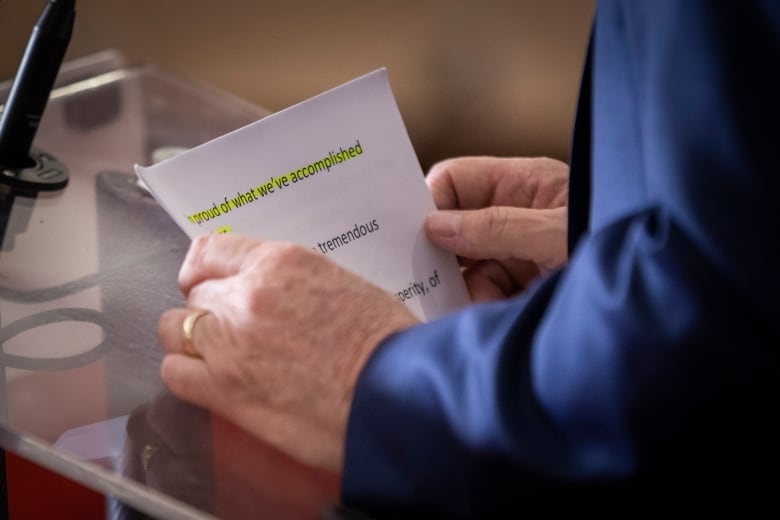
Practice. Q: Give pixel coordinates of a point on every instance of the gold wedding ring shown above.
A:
(187, 327)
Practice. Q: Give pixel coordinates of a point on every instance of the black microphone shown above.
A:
(20, 165)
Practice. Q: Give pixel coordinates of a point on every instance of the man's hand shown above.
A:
(287, 335)
(505, 218)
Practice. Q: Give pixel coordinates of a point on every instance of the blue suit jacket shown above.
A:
(648, 368)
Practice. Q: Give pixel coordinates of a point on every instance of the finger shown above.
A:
(189, 379)
(488, 281)
(502, 233)
(523, 272)
(215, 256)
(170, 330)
(491, 280)
(462, 183)
(478, 182)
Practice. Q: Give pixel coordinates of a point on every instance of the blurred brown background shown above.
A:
(493, 77)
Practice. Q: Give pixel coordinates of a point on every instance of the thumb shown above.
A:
(502, 233)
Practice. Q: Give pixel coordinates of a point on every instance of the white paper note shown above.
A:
(336, 173)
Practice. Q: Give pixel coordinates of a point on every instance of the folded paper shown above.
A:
(336, 173)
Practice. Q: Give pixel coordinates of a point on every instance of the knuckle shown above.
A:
(198, 248)
(498, 225)
(233, 376)
(441, 184)
(441, 168)
(254, 299)
(278, 256)
(287, 253)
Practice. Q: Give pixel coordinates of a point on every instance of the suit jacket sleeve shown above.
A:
(647, 368)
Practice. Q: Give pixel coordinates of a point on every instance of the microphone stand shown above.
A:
(25, 170)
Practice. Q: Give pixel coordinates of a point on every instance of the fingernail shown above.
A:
(445, 224)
